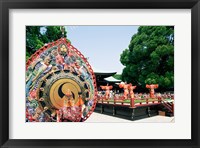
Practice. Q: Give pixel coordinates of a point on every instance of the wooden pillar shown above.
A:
(114, 111)
(133, 114)
(102, 108)
(149, 111)
(132, 105)
(147, 101)
(159, 99)
(132, 102)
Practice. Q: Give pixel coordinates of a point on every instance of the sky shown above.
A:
(102, 44)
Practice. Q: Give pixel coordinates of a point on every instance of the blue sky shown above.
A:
(102, 44)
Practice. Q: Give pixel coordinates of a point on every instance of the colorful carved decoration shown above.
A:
(131, 88)
(151, 88)
(126, 89)
(107, 88)
(59, 84)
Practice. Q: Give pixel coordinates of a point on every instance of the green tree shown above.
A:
(150, 58)
(37, 36)
(118, 76)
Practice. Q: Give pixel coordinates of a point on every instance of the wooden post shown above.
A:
(102, 108)
(133, 114)
(159, 99)
(149, 111)
(132, 102)
(113, 110)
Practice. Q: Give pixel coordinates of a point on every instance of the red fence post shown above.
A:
(159, 99)
(132, 103)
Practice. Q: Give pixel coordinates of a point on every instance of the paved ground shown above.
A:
(97, 117)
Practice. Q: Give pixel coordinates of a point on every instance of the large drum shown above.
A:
(60, 84)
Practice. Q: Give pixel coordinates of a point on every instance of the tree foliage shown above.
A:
(118, 76)
(37, 36)
(150, 57)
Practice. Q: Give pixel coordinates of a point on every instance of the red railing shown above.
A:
(122, 101)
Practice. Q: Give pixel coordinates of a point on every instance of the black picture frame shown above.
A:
(5, 5)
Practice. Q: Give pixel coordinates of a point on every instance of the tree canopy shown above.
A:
(149, 58)
(118, 76)
(37, 36)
